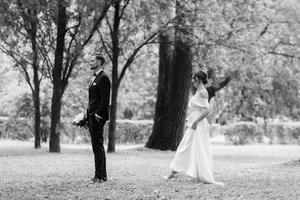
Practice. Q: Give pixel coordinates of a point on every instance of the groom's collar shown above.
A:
(98, 72)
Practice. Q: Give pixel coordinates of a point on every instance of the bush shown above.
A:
(243, 133)
(127, 131)
(138, 131)
(216, 130)
(132, 131)
(283, 133)
(16, 128)
(2, 127)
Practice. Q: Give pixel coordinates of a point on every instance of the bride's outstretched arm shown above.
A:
(201, 117)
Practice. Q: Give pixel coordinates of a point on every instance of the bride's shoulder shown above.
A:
(203, 93)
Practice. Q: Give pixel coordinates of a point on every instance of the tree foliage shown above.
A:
(20, 36)
(127, 32)
(255, 42)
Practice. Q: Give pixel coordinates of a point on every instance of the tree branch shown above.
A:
(68, 51)
(105, 44)
(109, 26)
(46, 59)
(72, 58)
(284, 55)
(20, 63)
(126, 3)
(96, 25)
(131, 58)
(71, 67)
(75, 26)
(73, 35)
(42, 72)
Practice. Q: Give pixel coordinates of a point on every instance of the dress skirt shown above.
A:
(194, 154)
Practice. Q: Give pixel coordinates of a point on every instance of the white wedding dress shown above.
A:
(194, 154)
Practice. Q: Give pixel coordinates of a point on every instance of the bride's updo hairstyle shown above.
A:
(200, 75)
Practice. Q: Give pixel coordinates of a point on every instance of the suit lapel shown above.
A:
(94, 79)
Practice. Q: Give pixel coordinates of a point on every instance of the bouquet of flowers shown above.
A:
(81, 120)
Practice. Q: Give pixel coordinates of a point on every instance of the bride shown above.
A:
(194, 155)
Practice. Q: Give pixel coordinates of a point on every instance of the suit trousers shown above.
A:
(96, 132)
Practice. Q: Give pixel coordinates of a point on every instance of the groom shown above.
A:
(97, 114)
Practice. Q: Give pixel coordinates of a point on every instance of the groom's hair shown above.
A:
(101, 58)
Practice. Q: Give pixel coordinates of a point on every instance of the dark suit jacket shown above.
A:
(99, 94)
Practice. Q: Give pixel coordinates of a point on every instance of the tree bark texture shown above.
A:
(165, 58)
(58, 88)
(172, 102)
(36, 95)
(30, 20)
(115, 79)
(173, 88)
(36, 81)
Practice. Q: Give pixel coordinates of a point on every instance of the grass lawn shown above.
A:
(249, 172)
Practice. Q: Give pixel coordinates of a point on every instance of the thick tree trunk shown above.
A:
(170, 115)
(58, 88)
(115, 81)
(161, 106)
(172, 102)
(54, 145)
(179, 93)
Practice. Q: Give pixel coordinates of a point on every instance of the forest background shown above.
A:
(255, 43)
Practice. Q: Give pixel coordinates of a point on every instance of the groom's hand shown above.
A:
(98, 117)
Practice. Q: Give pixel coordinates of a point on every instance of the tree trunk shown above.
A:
(54, 145)
(36, 82)
(115, 81)
(58, 88)
(37, 110)
(155, 141)
(179, 92)
(170, 116)
(113, 118)
(30, 17)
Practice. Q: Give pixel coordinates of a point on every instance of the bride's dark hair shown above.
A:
(200, 75)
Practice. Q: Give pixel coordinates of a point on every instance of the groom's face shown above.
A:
(95, 63)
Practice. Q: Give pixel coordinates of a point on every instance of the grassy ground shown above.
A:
(249, 172)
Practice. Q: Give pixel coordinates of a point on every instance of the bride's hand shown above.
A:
(194, 125)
